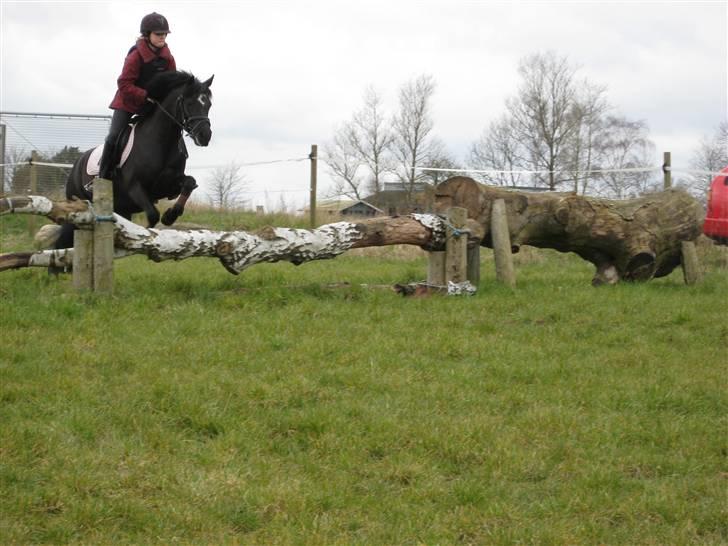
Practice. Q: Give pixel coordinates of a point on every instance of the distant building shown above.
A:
(361, 208)
(329, 208)
(394, 199)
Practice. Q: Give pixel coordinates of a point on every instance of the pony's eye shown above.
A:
(202, 99)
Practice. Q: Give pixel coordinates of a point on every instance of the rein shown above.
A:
(185, 125)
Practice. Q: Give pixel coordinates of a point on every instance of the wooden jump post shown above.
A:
(504, 271)
(453, 265)
(460, 261)
(93, 255)
(666, 170)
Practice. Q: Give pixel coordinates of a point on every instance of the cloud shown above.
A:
(286, 73)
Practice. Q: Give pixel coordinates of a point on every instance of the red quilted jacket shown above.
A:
(140, 65)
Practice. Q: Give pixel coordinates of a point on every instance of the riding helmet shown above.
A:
(154, 22)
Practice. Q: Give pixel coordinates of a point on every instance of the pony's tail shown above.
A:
(47, 236)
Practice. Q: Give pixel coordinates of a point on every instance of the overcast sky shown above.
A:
(286, 73)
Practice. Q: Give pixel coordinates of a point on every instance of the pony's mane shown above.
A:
(161, 84)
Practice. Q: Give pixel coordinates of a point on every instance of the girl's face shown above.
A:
(158, 39)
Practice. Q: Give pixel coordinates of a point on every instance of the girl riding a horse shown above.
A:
(148, 57)
(155, 169)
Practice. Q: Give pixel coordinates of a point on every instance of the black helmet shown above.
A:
(154, 22)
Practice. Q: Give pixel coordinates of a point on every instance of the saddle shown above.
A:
(122, 151)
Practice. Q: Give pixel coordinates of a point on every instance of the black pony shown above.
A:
(155, 168)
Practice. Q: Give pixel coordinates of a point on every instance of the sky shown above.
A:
(287, 73)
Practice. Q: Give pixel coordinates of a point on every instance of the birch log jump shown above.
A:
(236, 250)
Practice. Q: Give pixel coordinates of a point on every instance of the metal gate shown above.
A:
(51, 141)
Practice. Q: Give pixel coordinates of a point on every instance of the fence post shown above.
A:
(690, 263)
(666, 169)
(456, 247)
(502, 244)
(103, 237)
(2, 158)
(83, 257)
(474, 264)
(33, 189)
(314, 167)
(436, 268)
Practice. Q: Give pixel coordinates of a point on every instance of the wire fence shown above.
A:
(48, 144)
(56, 139)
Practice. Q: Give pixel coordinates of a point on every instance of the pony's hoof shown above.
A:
(152, 218)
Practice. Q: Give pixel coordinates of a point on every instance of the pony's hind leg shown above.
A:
(65, 238)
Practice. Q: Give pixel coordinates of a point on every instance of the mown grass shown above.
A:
(284, 407)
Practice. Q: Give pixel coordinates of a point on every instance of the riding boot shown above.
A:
(107, 161)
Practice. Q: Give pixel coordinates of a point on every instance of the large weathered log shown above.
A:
(236, 249)
(634, 239)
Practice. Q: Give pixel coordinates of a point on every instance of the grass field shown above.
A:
(284, 407)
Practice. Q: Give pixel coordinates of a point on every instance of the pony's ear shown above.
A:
(208, 83)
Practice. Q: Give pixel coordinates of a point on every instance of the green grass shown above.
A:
(281, 407)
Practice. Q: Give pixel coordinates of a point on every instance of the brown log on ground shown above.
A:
(60, 259)
(15, 260)
(633, 239)
(58, 211)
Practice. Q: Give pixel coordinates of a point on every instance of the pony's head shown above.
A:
(189, 106)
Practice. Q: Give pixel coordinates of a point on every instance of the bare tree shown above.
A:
(498, 150)
(589, 109)
(371, 138)
(344, 162)
(358, 156)
(557, 124)
(440, 159)
(543, 113)
(227, 185)
(412, 126)
(711, 155)
(624, 145)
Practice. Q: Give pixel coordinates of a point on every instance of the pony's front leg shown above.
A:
(141, 199)
(176, 210)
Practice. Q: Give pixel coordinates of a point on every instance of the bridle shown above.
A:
(189, 124)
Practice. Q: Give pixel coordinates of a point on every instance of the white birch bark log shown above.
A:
(236, 250)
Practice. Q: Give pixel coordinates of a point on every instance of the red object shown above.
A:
(716, 220)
